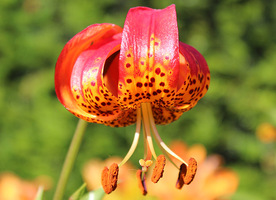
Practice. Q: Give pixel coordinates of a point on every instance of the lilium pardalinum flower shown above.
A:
(139, 74)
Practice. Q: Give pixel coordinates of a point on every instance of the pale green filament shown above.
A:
(158, 138)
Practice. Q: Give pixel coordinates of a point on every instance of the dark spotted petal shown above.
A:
(149, 57)
(194, 78)
(79, 78)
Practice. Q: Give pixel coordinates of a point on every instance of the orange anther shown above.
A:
(141, 183)
(113, 175)
(158, 169)
(181, 176)
(104, 180)
(191, 171)
(109, 178)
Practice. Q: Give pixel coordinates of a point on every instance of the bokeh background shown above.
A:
(235, 119)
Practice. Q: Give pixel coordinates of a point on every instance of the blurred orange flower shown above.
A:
(212, 181)
(266, 133)
(14, 188)
(127, 183)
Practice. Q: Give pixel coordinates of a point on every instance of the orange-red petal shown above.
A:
(194, 78)
(149, 57)
(79, 74)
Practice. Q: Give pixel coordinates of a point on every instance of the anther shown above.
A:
(191, 171)
(141, 182)
(181, 176)
(158, 169)
(110, 178)
(104, 180)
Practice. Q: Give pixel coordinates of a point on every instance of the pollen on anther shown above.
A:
(158, 169)
(181, 176)
(191, 171)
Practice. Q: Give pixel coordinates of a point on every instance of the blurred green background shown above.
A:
(237, 38)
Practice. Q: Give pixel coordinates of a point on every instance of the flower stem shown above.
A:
(70, 159)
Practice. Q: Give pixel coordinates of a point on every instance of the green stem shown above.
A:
(70, 159)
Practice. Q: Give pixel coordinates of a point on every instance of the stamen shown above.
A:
(145, 112)
(181, 176)
(141, 182)
(135, 140)
(113, 175)
(162, 145)
(104, 180)
(110, 178)
(158, 169)
(191, 171)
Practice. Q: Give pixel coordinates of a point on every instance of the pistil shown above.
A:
(147, 131)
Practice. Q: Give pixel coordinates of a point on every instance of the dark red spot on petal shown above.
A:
(158, 71)
(162, 74)
(139, 84)
(129, 81)
(128, 65)
(162, 84)
(97, 98)
(152, 80)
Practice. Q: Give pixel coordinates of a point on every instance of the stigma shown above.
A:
(145, 121)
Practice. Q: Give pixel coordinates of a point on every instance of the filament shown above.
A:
(158, 138)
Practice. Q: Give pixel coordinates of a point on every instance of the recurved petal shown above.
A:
(149, 57)
(163, 115)
(194, 78)
(79, 73)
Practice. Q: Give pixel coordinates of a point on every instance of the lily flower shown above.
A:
(141, 74)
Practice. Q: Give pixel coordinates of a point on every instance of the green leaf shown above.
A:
(94, 195)
(79, 193)
(39, 194)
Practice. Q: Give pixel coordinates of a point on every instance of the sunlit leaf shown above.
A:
(79, 192)
(39, 194)
(94, 195)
